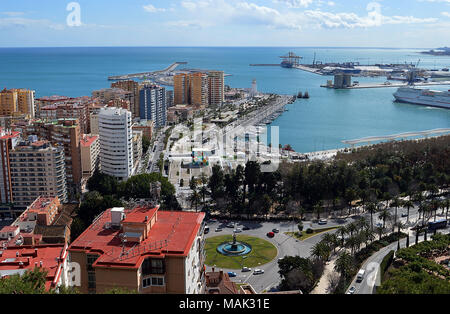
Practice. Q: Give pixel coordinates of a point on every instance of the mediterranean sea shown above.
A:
(319, 123)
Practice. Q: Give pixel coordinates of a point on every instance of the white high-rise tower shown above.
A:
(116, 142)
(254, 91)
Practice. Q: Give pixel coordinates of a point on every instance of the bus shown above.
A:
(437, 224)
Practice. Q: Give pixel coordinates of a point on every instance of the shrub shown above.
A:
(309, 231)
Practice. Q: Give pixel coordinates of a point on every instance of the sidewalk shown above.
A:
(322, 286)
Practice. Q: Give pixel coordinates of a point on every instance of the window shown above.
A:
(91, 260)
(152, 266)
(153, 281)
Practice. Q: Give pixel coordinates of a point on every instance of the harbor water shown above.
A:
(319, 123)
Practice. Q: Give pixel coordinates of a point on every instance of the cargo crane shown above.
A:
(290, 60)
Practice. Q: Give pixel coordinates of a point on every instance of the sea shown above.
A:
(319, 123)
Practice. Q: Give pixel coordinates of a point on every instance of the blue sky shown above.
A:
(341, 23)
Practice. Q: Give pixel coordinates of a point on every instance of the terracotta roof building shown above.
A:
(143, 249)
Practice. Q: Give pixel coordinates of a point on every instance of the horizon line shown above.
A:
(319, 47)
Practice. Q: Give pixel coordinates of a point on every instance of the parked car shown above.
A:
(237, 230)
(206, 230)
(351, 290)
(323, 222)
(275, 230)
(230, 225)
(258, 272)
(245, 228)
(246, 269)
(232, 274)
(405, 215)
(270, 234)
(218, 229)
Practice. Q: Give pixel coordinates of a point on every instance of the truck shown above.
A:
(360, 275)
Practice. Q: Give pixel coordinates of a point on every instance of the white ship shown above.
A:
(424, 97)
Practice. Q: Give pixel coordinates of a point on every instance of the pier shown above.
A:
(169, 69)
(383, 85)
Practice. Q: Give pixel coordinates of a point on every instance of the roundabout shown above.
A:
(235, 252)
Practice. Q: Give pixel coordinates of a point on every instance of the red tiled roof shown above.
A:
(9, 229)
(87, 140)
(178, 228)
(45, 253)
(140, 214)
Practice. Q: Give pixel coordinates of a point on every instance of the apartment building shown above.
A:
(153, 104)
(47, 219)
(17, 102)
(146, 126)
(181, 89)
(137, 149)
(65, 133)
(134, 87)
(37, 168)
(199, 94)
(216, 88)
(116, 142)
(142, 249)
(8, 141)
(52, 258)
(90, 151)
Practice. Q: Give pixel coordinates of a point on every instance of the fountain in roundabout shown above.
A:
(234, 248)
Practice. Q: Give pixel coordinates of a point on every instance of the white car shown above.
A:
(323, 222)
(351, 290)
(258, 272)
(237, 230)
(246, 269)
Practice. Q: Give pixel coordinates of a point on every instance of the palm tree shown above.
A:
(195, 198)
(424, 208)
(342, 231)
(447, 205)
(351, 228)
(331, 240)
(408, 204)
(344, 265)
(352, 243)
(362, 224)
(321, 250)
(384, 215)
(396, 203)
(318, 209)
(371, 208)
(380, 231)
(435, 204)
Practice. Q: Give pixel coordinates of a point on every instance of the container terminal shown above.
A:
(405, 73)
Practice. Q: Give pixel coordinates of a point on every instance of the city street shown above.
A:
(288, 246)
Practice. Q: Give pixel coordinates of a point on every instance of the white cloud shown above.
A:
(13, 14)
(24, 22)
(150, 8)
(295, 3)
(447, 14)
(238, 12)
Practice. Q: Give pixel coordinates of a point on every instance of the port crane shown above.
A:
(291, 59)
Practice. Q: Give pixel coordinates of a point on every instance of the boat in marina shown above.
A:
(424, 97)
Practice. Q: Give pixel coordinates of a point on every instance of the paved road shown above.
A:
(286, 246)
(367, 285)
(156, 151)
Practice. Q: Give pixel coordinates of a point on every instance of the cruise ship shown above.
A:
(424, 97)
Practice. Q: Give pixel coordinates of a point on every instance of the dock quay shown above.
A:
(264, 65)
(383, 85)
(142, 75)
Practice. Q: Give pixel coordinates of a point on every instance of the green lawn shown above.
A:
(262, 252)
(304, 235)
